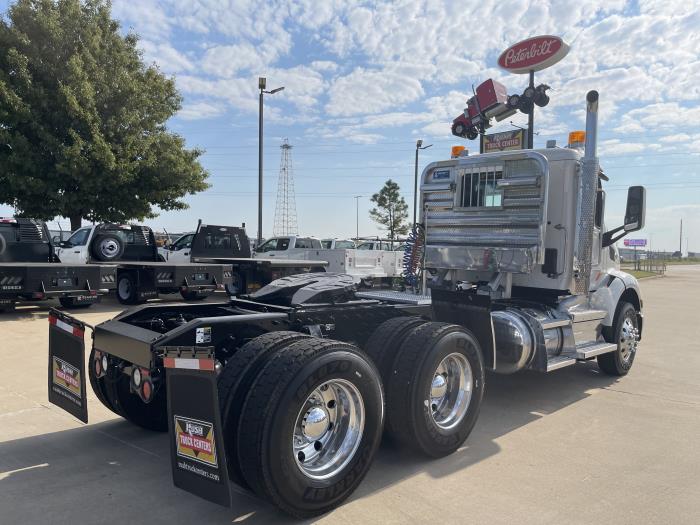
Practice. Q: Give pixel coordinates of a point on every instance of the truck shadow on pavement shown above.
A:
(110, 471)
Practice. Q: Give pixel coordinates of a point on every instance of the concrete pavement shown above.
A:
(574, 446)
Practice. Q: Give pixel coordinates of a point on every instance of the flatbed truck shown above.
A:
(142, 273)
(231, 245)
(29, 271)
(287, 391)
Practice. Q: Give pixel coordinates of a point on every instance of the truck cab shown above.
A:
(107, 243)
(337, 244)
(288, 246)
(179, 251)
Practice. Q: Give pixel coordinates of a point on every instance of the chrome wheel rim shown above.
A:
(451, 391)
(124, 288)
(629, 338)
(328, 429)
(109, 248)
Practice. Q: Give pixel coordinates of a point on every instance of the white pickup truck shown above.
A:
(369, 263)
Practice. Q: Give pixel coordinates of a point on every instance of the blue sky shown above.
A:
(364, 80)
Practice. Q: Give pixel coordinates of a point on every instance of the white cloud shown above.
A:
(200, 110)
(371, 91)
(168, 59)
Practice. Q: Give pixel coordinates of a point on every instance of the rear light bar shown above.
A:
(8, 220)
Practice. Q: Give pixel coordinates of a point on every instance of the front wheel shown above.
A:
(310, 426)
(625, 332)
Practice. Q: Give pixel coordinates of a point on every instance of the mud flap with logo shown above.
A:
(67, 364)
(196, 444)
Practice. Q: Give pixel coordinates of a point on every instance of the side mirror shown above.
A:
(636, 208)
(634, 216)
(56, 240)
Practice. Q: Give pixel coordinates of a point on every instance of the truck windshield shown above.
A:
(344, 245)
(79, 238)
(278, 244)
(366, 246)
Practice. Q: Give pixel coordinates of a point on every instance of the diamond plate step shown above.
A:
(560, 361)
(593, 349)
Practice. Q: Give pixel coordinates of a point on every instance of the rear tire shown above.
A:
(287, 412)
(234, 384)
(435, 388)
(386, 340)
(127, 289)
(71, 302)
(193, 295)
(7, 308)
(99, 386)
(625, 332)
(151, 416)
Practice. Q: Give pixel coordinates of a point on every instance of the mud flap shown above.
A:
(67, 364)
(197, 451)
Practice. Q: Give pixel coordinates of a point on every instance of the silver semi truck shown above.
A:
(288, 390)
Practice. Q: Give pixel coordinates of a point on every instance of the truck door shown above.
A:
(75, 249)
(179, 251)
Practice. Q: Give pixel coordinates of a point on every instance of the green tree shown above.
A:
(391, 210)
(82, 119)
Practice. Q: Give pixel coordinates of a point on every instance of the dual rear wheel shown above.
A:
(302, 419)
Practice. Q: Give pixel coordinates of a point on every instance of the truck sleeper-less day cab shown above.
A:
(29, 270)
(287, 391)
(141, 273)
(231, 245)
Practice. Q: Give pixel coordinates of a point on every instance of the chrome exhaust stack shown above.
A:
(588, 187)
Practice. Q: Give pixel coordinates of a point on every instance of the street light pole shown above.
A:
(357, 216)
(262, 83)
(419, 146)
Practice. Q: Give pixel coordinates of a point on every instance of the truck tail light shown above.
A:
(100, 364)
(146, 391)
(142, 383)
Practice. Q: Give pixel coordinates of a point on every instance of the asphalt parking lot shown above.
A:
(574, 446)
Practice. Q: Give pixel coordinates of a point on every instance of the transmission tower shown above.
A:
(286, 208)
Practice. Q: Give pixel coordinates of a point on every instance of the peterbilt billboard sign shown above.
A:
(533, 54)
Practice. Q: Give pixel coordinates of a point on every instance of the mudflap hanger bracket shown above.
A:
(197, 454)
(67, 364)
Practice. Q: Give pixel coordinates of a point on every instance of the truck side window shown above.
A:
(303, 243)
(183, 242)
(480, 190)
(79, 238)
(599, 206)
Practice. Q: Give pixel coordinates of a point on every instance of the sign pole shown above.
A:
(531, 116)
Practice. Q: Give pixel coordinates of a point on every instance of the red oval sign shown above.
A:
(533, 54)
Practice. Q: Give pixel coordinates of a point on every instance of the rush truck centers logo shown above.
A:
(504, 141)
(66, 376)
(533, 54)
(195, 440)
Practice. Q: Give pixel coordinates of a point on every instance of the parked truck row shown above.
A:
(287, 390)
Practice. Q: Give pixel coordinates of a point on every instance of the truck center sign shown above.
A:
(533, 54)
(504, 141)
